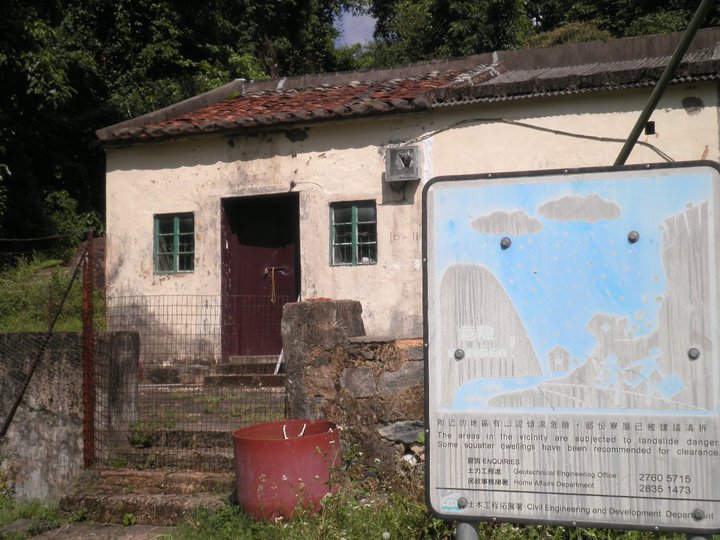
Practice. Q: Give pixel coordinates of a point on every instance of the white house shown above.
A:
(259, 193)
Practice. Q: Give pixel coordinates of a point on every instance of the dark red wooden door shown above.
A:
(260, 271)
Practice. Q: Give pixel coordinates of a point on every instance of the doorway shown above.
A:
(260, 271)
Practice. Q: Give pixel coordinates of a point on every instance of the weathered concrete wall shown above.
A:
(371, 387)
(42, 453)
(345, 161)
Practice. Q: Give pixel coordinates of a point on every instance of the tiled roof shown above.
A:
(572, 69)
(304, 104)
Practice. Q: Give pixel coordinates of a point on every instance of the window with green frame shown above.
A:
(174, 245)
(353, 234)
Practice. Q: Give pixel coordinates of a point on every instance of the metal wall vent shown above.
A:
(402, 164)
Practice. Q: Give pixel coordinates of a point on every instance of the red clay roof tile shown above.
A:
(296, 105)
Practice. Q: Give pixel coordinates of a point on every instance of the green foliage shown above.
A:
(577, 32)
(659, 23)
(619, 17)
(31, 295)
(42, 516)
(408, 34)
(408, 31)
(69, 67)
(67, 221)
(356, 56)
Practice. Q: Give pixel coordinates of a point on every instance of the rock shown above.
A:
(319, 382)
(359, 382)
(406, 432)
(409, 374)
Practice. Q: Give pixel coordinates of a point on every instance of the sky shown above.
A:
(355, 29)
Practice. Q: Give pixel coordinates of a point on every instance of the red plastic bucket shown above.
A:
(283, 466)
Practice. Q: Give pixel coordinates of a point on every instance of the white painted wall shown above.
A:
(344, 161)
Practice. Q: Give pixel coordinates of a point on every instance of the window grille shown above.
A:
(174, 245)
(353, 234)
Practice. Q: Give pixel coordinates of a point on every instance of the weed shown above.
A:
(32, 290)
(212, 404)
(147, 434)
(351, 514)
(129, 520)
(41, 517)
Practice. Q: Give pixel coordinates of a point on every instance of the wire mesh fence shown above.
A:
(167, 395)
(165, 389)
(32, 347)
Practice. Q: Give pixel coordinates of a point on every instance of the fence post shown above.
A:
(88, 356)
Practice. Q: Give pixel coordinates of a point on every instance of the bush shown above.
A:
(32, 291)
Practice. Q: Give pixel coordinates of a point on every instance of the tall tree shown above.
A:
(620, 18)
(410, 30)
(68, 67)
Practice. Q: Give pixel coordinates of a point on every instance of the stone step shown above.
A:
(253, 359)
(159, 481)
(194, 373)
(180, 438)
(140, 508)
(244, 369)
(252, 381)
(218, 459)
(158, 497)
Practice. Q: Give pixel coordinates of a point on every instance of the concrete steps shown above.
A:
(196, 373)
(250, 381)
(158, 497)
(178, 456)
(215, 459)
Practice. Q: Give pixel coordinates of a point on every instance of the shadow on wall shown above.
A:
(174, 330)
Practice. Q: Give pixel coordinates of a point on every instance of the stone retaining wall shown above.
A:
(371, 387)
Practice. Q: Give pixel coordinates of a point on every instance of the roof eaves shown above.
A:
(375, 108)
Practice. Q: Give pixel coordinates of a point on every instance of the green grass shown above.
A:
(352, 514)
(31, 294)
(41, 517)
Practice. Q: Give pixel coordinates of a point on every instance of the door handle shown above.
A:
(271, 270)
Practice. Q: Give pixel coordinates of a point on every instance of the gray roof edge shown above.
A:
(650, 46)
(182, 107)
